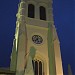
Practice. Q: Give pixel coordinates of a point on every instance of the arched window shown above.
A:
(37, 67)
(42, 13)
(31, 10)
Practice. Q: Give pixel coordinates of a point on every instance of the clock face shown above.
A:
(37, 39)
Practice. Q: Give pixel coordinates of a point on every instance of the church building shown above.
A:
(36, 47)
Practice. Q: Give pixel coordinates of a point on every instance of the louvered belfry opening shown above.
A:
(37, 67)
(31, 11)
(42, 13)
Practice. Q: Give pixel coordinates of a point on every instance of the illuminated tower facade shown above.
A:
(36, 48)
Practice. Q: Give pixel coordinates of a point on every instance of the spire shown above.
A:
(69, 70)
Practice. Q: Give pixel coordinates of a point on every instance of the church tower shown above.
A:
(36, 48)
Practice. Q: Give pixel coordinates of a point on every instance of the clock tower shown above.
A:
(36, 48)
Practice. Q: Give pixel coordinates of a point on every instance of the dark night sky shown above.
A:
(64, 22)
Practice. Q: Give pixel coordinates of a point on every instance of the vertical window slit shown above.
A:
(36, 68)
(40, 68)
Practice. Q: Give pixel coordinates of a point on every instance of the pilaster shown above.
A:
(51, 54)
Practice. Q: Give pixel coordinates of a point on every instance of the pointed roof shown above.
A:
(69, 70)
